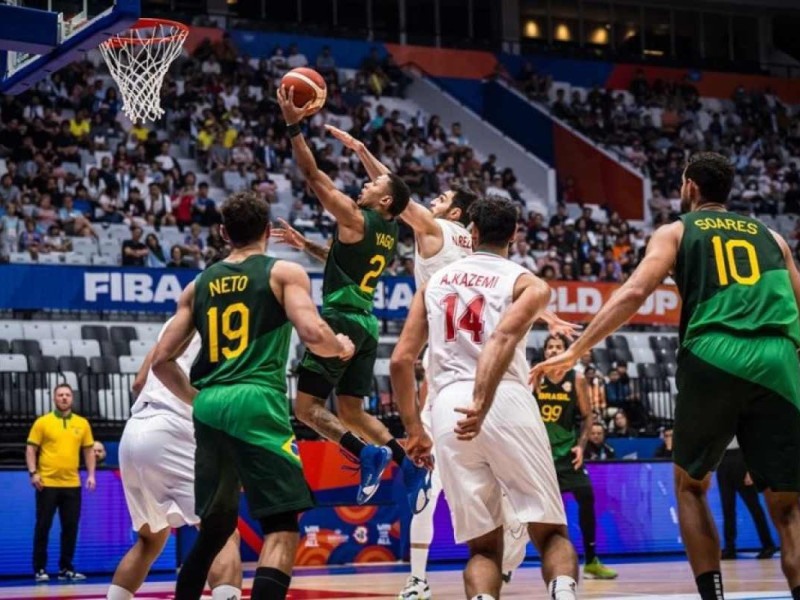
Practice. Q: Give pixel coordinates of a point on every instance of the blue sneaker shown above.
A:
(374, 460)
(418, 485)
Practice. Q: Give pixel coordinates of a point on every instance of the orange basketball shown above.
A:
(309, 86)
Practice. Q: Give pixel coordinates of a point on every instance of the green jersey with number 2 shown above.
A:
(352, 270)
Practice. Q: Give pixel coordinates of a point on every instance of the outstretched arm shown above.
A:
(338, 204)
(372, 165)
(662, 252)
(172, 343)
(412, 340)
(533, 294)
(288, 235)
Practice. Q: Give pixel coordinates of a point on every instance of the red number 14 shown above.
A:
(470, 320)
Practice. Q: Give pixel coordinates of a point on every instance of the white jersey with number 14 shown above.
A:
(465, 302)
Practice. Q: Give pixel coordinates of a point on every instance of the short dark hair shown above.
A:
(495, 218)
(63, 385)
(713, 174)
(463, 198)
(400, 194)
(562, 338)
(245, 216)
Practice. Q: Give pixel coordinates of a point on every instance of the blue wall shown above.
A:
(348, 53)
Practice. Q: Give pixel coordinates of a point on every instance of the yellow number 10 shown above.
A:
(240, 333)
(726, 262)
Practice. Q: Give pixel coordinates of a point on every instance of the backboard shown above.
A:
(38, 37)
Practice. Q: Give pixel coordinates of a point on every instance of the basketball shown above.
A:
(309, 86)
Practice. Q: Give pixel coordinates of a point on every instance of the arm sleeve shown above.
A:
(36, 433)
(88, 439)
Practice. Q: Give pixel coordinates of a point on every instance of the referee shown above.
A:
(59, 437)
(732, 477)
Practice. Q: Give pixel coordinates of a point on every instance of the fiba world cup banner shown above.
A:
(37, 287)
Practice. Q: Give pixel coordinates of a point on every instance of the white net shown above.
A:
(138, 60)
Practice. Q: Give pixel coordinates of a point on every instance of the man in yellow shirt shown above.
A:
(59, 437)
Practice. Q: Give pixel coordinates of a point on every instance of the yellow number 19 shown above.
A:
(726, 262)
(240, 333)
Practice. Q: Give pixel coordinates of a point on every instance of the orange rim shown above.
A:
(118, 41)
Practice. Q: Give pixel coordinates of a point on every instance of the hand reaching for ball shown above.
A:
(293, 114)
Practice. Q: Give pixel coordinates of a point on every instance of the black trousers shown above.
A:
(730, 479)
(67, 501)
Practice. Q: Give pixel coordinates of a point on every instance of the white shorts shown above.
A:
(156, 459)
(511, 454)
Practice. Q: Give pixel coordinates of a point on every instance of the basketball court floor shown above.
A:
(744, 579)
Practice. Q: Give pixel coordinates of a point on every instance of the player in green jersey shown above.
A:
(363, 246)
(559, 400)
(737, 364)
(244, 308)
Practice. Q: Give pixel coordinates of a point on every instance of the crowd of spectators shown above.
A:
(659, 123)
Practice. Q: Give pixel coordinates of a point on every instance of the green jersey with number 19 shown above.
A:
(244, 329)
(352, 270)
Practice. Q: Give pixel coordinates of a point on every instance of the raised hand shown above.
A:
(291, 113)
(286, 234)
(348, 140)
(556, 367)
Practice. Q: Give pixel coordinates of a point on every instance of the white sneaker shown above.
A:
(41, 576)
(515, 540)
(416, 589)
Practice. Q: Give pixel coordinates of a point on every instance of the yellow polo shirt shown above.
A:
(60, 441)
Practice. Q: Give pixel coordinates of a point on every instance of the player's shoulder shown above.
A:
(286, 271)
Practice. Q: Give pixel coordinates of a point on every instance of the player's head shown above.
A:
(555, 345)
(494, 223)
(62, 397)
(388, 194)
(708, 177)
(245, 219)
(454, 205)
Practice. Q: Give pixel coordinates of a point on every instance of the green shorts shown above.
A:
(245, 439)
(318, 376)
(747, 387)
(568, 478)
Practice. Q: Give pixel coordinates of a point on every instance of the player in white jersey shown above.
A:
(156, 456)
(476, 314)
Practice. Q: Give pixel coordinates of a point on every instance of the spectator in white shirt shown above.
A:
(142, 181)
(296, 58)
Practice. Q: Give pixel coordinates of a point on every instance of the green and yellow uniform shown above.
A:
(241, 414)
(737, 363)
(60, 440)
(348, 289)
(558, 405)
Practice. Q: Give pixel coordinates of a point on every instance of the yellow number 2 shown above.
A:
(240, 334)
(726, 262)
(368, 278)
(551, 413)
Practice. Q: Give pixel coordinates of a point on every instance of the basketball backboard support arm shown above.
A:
(83, 38)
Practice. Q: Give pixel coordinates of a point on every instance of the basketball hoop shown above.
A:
(139, 59)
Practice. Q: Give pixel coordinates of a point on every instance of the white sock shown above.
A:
(483, 597)
(226, 592)
(563, 587)
(419, 562)
(118, 593)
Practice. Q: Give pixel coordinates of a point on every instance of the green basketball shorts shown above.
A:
(743, 386)
(318, 376)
